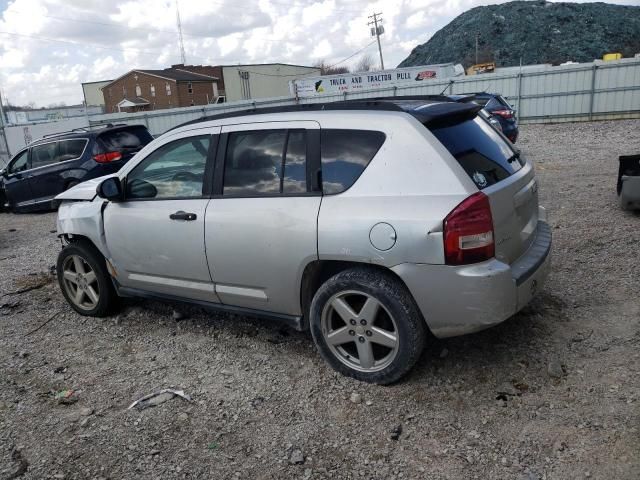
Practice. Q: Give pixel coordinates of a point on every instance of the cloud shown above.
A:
(48, 47)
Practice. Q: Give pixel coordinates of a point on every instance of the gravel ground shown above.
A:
(553, 393)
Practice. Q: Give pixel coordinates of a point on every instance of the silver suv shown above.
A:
(366, 222)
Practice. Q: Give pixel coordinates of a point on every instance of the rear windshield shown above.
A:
(132, 138)
(480, 150)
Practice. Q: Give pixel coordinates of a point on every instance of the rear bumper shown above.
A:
(466, 299)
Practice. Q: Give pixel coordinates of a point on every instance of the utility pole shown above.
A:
(377, 31)
(183, 56)
(3, 136)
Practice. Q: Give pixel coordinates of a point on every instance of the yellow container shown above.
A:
(611, 56)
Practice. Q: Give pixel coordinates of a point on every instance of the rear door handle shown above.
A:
(180, 215)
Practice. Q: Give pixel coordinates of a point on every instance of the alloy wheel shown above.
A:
(360, 331)
(80, 282)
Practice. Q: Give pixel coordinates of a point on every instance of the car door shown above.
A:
(155, 236)
(16, 181)
(52, 166)
(261, 224)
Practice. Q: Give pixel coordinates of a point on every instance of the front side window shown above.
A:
(42, 155)
(20, 163)
(175, 170)
(70, 149)
(345, 155)
(265, 162)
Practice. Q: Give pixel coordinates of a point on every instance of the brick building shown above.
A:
(178, 86)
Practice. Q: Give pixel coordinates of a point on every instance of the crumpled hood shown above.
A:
(85, 190)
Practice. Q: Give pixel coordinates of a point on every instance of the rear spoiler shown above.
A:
(446, 114)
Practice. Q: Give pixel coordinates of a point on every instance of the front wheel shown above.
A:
(84, 281)
(367, 326)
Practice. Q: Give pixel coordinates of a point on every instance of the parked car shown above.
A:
(497, 109)
(367, 222)
(628, 185)
(55, 163)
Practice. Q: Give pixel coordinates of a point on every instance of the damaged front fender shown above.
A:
(83, 219)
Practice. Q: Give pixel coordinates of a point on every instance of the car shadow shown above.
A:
(517, 339)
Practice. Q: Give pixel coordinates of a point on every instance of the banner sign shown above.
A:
(354, 82)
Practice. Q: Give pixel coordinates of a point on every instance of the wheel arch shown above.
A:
(319, 271)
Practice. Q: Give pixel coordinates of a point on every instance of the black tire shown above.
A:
(107, 297)
(397, 303)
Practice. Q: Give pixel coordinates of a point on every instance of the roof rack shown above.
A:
(439, 108)
(80, 129)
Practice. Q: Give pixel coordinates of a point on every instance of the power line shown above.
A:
(45, 39)
(352, 55)
(147, 29)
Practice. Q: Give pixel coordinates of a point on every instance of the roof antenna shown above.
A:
(183, 56)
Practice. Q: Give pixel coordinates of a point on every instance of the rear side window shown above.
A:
(70, 149)
(481, 152)
(133, 138)
(265, 162)
(42, 155)
(345, 155)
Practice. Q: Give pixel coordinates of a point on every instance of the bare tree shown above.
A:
(365, 64)
(330, 70)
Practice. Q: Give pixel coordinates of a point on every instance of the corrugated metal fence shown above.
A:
(579, 92)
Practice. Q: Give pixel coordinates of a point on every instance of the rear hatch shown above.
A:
(126, 140)
(500, 172)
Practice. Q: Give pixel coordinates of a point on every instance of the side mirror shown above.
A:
(110, 189)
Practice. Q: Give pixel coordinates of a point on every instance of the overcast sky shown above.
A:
(48, 47)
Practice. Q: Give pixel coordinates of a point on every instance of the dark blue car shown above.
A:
(53, 164)
(497, 108)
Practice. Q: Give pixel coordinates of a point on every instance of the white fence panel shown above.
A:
(565, 93)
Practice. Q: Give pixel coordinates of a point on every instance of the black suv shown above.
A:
(55, 163)
(497, 108)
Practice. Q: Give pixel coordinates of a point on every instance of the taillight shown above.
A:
(504, 113)
(107, 157)
(468, 232)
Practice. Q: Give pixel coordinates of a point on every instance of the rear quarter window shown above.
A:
(345, 154)
(480, 151)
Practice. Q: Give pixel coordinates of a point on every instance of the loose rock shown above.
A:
(297, 458)
(356, 398)
(554, 369)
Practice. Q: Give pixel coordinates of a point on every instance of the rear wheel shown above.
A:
(367, 326)
(84, 281)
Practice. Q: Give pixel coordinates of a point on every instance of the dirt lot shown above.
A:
(553, 393)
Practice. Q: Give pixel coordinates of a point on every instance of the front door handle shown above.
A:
(180, 215)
